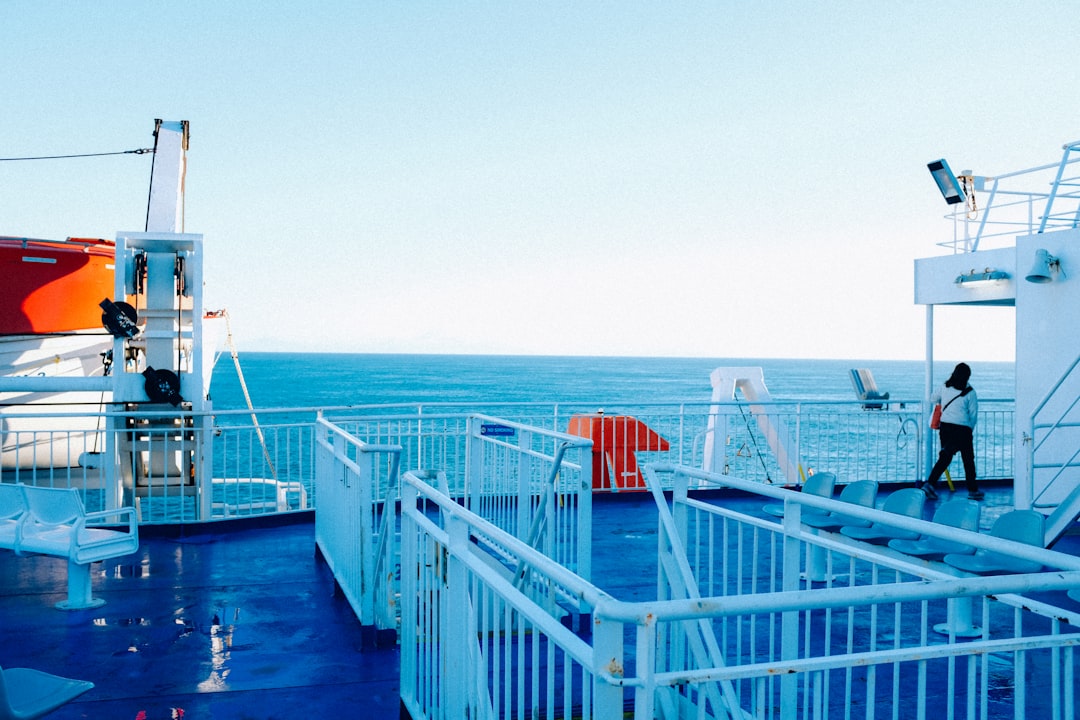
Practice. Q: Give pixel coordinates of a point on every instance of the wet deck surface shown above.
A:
(238, 625)
(245, 623)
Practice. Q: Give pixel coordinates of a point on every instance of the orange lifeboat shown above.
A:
(615, 440)
(54, 286)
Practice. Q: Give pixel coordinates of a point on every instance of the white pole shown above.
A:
(928, 446)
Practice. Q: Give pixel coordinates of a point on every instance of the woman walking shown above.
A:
(959, 412)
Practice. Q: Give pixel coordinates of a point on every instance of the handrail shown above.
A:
(1001, 200)
(1066, 511)
(1040, 555)
(540, 516)
(588, 594)
(1069, 147)
(521, 452)
(667, 637)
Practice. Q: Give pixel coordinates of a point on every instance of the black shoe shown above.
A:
(929, 490)
(977, 495)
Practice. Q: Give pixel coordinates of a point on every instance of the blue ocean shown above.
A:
(276, 380)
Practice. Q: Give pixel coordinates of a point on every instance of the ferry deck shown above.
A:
(244, 621)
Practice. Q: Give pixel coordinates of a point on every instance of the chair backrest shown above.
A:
(863, 382)
(39, 693)
(821, 484)
(862, 492)
(1024, 526)
(908, 501)
(54, 506)
(6, 711)
(12, 501)
(959, 513)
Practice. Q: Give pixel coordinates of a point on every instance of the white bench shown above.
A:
(53, 521)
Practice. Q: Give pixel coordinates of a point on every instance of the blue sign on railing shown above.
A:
(496, 430)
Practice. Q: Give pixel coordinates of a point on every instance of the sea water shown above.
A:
(328, 379)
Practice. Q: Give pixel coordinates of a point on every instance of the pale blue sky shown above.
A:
(698, 179)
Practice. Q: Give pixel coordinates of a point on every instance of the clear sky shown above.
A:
(727, 179)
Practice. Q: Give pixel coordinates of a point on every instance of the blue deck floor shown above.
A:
(245, 623)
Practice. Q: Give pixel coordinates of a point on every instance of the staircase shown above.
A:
(1053, 440)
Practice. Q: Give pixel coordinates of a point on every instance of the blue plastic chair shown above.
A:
(1025, 526)
(821, 484)
(26, 693)
(908, 502)
(12, 507)
(957, 513)
(863, 493)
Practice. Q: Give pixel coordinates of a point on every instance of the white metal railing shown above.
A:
(884, 445)
(483, 645)
(1024, 202)
(247, 469)
(356, 481)
(175, 467)
(736, 631)
(869, 636)
(533, 483)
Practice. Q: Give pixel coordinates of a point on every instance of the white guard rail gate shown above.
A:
(533, 483)
(736, 632)
(355, 481)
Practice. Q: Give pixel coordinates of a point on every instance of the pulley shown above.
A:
(162, 386)
(119, 318)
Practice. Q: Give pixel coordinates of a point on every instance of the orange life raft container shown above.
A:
(615, 440)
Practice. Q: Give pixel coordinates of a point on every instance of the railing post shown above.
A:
(645, 700)
(789, 621)
(366, 463)
(928, 388)
(551, 513)
(114, 481)
(679, 492)
(409, 594)
(204, 464)
(583, 497)
(793, 548)
(457, 671)
(608, 660)
(474, 464)
(524, 491)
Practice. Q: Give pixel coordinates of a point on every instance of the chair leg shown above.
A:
(79, 595)
(959, 624)
(817, 568)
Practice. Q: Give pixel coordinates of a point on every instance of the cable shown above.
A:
(140, 151)
(247, 396)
